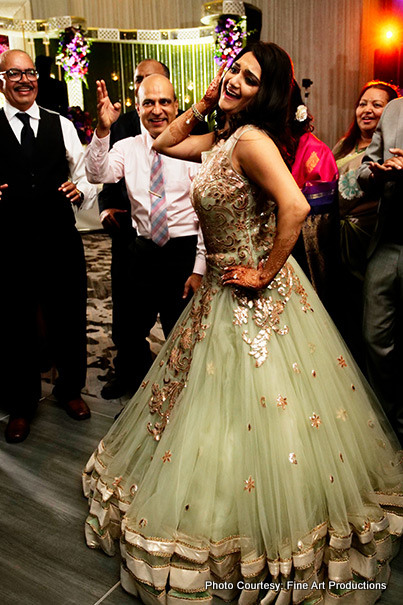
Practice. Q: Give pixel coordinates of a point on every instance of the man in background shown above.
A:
(115, 216)
(158, 267)
(52, 93)
(381, 173)
(42, 177)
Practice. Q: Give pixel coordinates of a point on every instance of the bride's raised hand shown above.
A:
(175, 140)
(108, 112)
(212, 93)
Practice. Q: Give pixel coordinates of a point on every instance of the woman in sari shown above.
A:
(315, 172)
(358, 211)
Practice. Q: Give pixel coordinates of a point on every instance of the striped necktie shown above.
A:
(27, 135)
(159, 220)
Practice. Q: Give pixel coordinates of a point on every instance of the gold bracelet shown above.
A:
(199, 116)
(196, 113)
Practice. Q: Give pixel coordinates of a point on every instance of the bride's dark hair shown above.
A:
(268, 109)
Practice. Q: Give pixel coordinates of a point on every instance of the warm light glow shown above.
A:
(114, 76)
(128, 102)
(390, 31)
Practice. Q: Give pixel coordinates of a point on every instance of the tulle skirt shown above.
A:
(254, 464)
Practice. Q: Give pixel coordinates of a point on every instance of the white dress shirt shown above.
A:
(74, 148)
(131, 158)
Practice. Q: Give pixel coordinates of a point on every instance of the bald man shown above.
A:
(114, 209)
(163, 271)
(43, 267)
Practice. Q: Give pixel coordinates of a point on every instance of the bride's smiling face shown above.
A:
(240, 84)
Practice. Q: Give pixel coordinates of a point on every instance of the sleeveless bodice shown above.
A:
(237, 220)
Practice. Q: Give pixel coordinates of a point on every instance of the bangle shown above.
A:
(199, 116)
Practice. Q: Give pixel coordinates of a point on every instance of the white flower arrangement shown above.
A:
(301, 114)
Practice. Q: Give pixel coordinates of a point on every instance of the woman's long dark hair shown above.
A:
(353, 134)
(268, 109)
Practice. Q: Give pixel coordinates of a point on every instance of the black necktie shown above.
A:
(27, 135)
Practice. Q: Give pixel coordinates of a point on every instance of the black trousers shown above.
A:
(122, 239)
(46, 278)
(383, 329)
(156, 280)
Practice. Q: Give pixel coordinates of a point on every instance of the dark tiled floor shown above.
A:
(43, 556)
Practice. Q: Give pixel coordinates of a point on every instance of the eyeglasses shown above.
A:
(15, 75)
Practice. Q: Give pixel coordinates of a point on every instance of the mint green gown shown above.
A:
(254, 453)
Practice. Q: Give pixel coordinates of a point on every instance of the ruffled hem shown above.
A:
(323, 574)
(313, 592)
(326, 568)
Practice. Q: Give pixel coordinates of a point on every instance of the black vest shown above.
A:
(32, 200)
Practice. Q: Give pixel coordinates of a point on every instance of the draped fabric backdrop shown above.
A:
(16, 9)
(330, 41)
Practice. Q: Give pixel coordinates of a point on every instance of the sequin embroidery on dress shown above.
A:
(254, 464)
(239, 226)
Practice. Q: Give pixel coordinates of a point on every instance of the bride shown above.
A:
(254, 464)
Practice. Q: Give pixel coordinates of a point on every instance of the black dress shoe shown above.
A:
(114, 389)
(77, 409)
(17, 430)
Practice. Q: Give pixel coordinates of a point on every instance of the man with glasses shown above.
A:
(43, 268)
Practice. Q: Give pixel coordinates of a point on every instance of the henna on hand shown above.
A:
(282, 248)
(180, 128)
(210, 98)
(245, 277)
(257, 279)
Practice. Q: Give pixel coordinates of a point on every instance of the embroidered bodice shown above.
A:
(237, 220)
